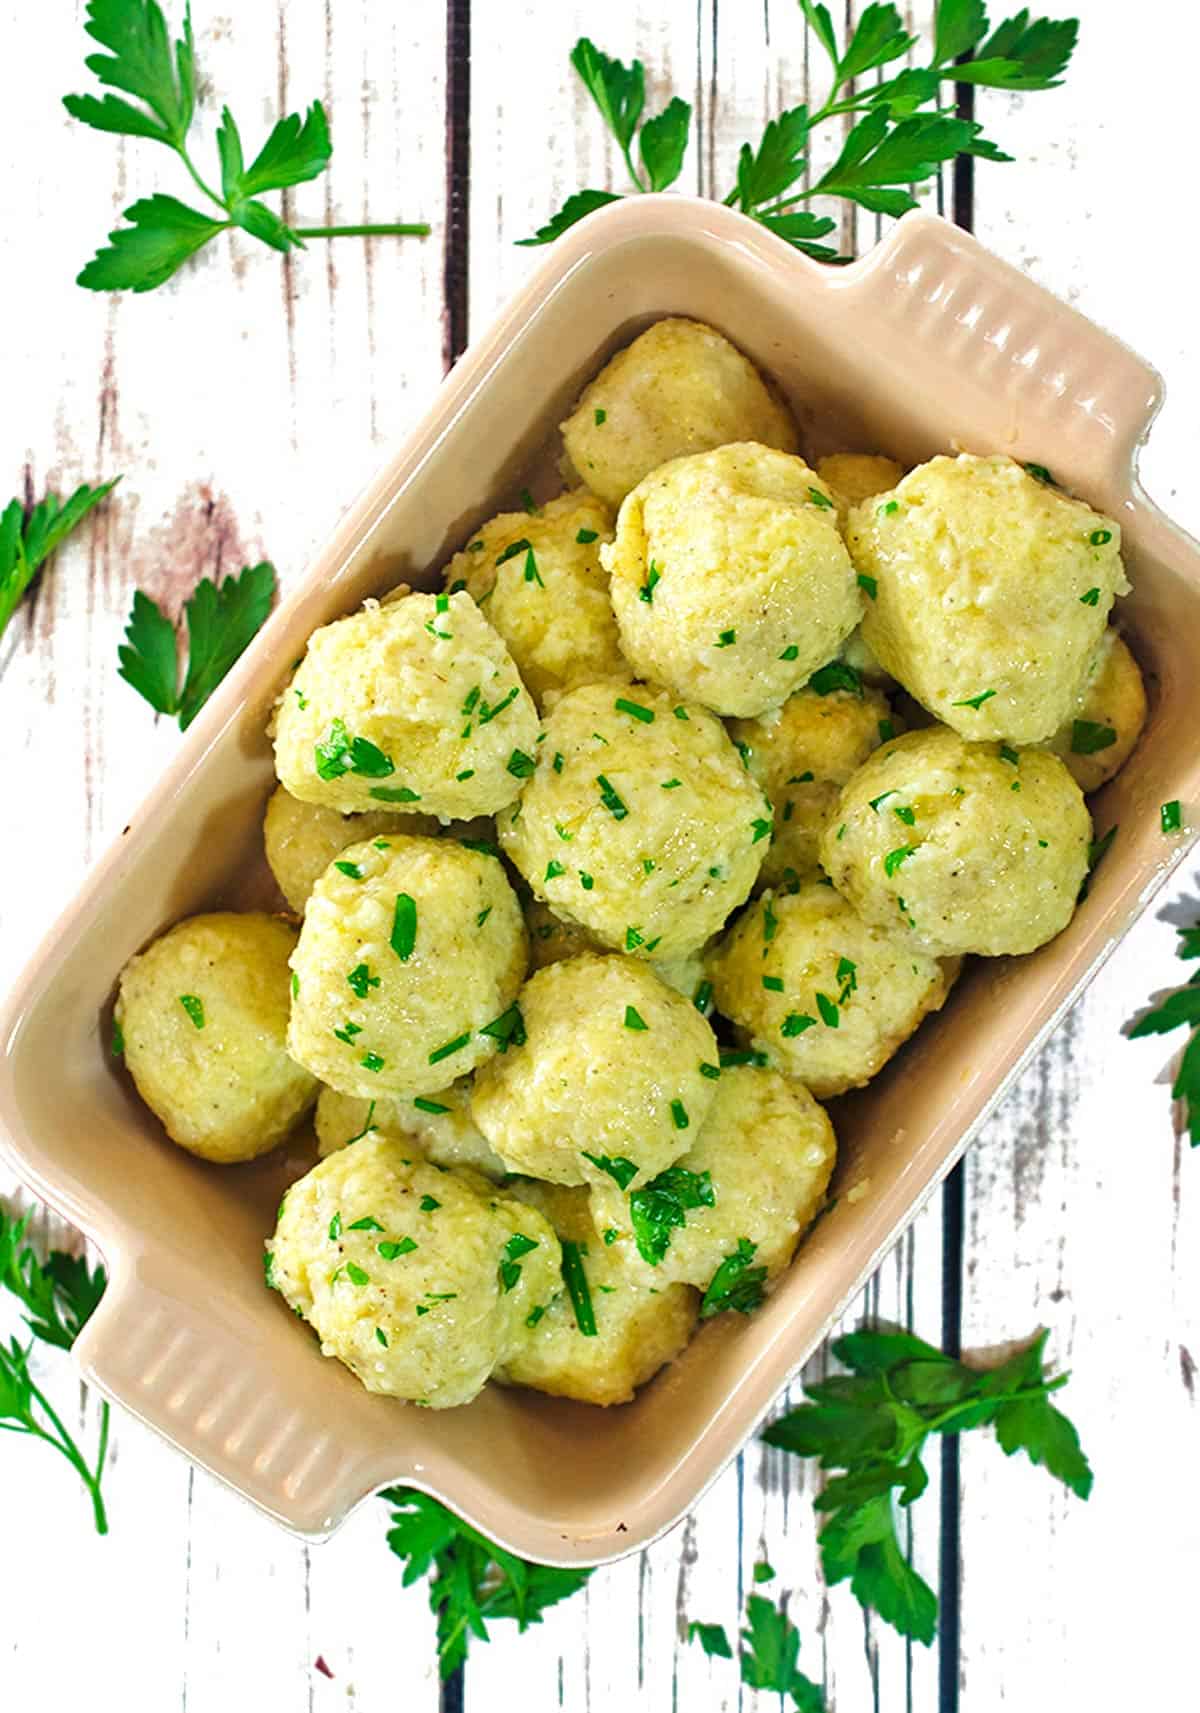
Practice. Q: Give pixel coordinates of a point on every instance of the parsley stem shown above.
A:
(72, 1453)
(417, 229)
(199, 182)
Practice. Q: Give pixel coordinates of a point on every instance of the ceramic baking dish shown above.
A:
(929, 343)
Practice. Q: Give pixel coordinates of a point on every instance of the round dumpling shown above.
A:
(203, 1012)
(802, 754)
(411, 953)
(680, 387)
(990, 593)
(441, 1125)
(640, 823)
(610, 1069)
(630, 1326)
(1100, 736)
(302, 839)
(414, 705)
(957, 847)
(730, 578)
(853, 477)
(767, 1150)
(826, 996)
(418, 1279)
(553, 938)
(546, 592)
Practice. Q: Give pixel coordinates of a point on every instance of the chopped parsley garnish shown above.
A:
(349, 868)
(442, 604)
(869, 584)
(424, 1105)
(487, 714)
(575, 1279)
(635, 710)
(511, 552)
(564, 833)
(735, 1284)
(335, 1228)
(888, 509)
(1087, 737)
(679, 1115)
(619, 1169)
(371, 1062)
(483, 915)
(663, 1205)
(382, 1336)
(836, 676)
(648, 866)
(586, 881)
(820, 499)
(791, 652)
(392, 1251)
(712, 1072)
(726, 639)
(361, 980)
(404, 927)
(1090, 599)
(483, 846)
(508, 1029)
(905, 814)
(367, 1223)
(338, 753)
(451, 1047)
(1010, 755)
(974, 701)
(653, 578)
(194, 1008)
(847, 975)
(773, 983)
(553, 869)
(611, 799)
(1042, 474)
(882, 798)
(633, 939)
(467, 773)
(347, 1032)
(702, 998)
(680, 713)
(394, 794)
(762, 830)
(795, 1023)
(356, 1274)
(1100, 537)
(535, 1314)
(1171, 816)
(894, 859)
(557, 763)
(528, 503)
(599, 417)
(517, 1245)
(634, 1018)
(610, 1235)
(116, 1045)
(830, 1015)
(430, 1204)
(585, 537)
(520, 765)
(887, 731)
(670, 784)
(732, 1056)
(770, 923)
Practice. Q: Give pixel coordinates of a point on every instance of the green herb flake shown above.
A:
(712, 1072)
(735, 1285)
(394, 794)
(1100, 537)
(680, 713)
(633, 939)
(795, 1023)
(791, 652)
(553, 869)
(761, 829)
(429, 1204)
(662, 1206)
(520, 765)
(893, 860)
(619, 1169)
(1041, 474)
(528, 503)
(727, 639)
(702, 998)
(335, 1228)
(836, 676)
(679, 1116)
(1171, 816)
(450, 1048)
(486, 714)
(367, 1223)
(371, 1062)
(830, 1015)
(1091, 598)
(820, 499)
(381, 1336)
(1010, 755)
(646, 590)
(356, 1274)
(887, 731)
(1087, 736)
(393, 1250)
(905, 814)
(634, 710)
(575, 1279)
(634, 1019)
(586, 881)
(868, 584)
(194, 1008)
(535, 1314)
(350, 869)
(585, 537)
(888, 509)
(508, 1029)
(975, 702)
(611, 798)
(773, 983)
(882, 798)
(116, 1045)
(670, 784)
(733, 1056)
(404, 926)
(599, 417)
(483, 915)
(517, 1246)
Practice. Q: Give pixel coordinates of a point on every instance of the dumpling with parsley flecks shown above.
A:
(420, 1280)
(407, 967)
(607, 1331)
(302, 839)
(412, 705)
(1098, 739)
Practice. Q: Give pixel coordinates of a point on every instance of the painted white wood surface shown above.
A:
(247, 403)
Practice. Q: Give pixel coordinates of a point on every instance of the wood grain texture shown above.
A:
(248, 401)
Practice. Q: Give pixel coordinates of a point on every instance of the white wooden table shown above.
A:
(246, 404)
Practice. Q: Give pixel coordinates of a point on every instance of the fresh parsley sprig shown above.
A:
(163, 233)
(59, 1296)
(1180, 1009)
(221, 622)
(870, 1426)
(900, 138)
(26, 542)
(473, 1580)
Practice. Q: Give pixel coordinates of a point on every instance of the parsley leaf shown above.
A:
(770, 1648)
(163, 233)
(871, 1425)
(712, 1639)
(735, 1284)
(663, 1204)
(27, 542)
(221, 623)
(1180, 1009)
(472, 1581)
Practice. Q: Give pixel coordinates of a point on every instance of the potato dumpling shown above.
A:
(640, 823)
(412, 705)
(853, 477)
(441, 1125)
(302, 839)
(730, 578)
(825, 995)
(551, 938)
(991, 593)
(768, 1149)
(418, 1279)
(540, 580)
(639, 1323)
(411, 953)
(681, 387)
(802, 754)
(609, 1068)
(953, 846)
(1099, 738)
(204, 1014)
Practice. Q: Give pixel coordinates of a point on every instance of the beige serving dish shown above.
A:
(929, 343)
